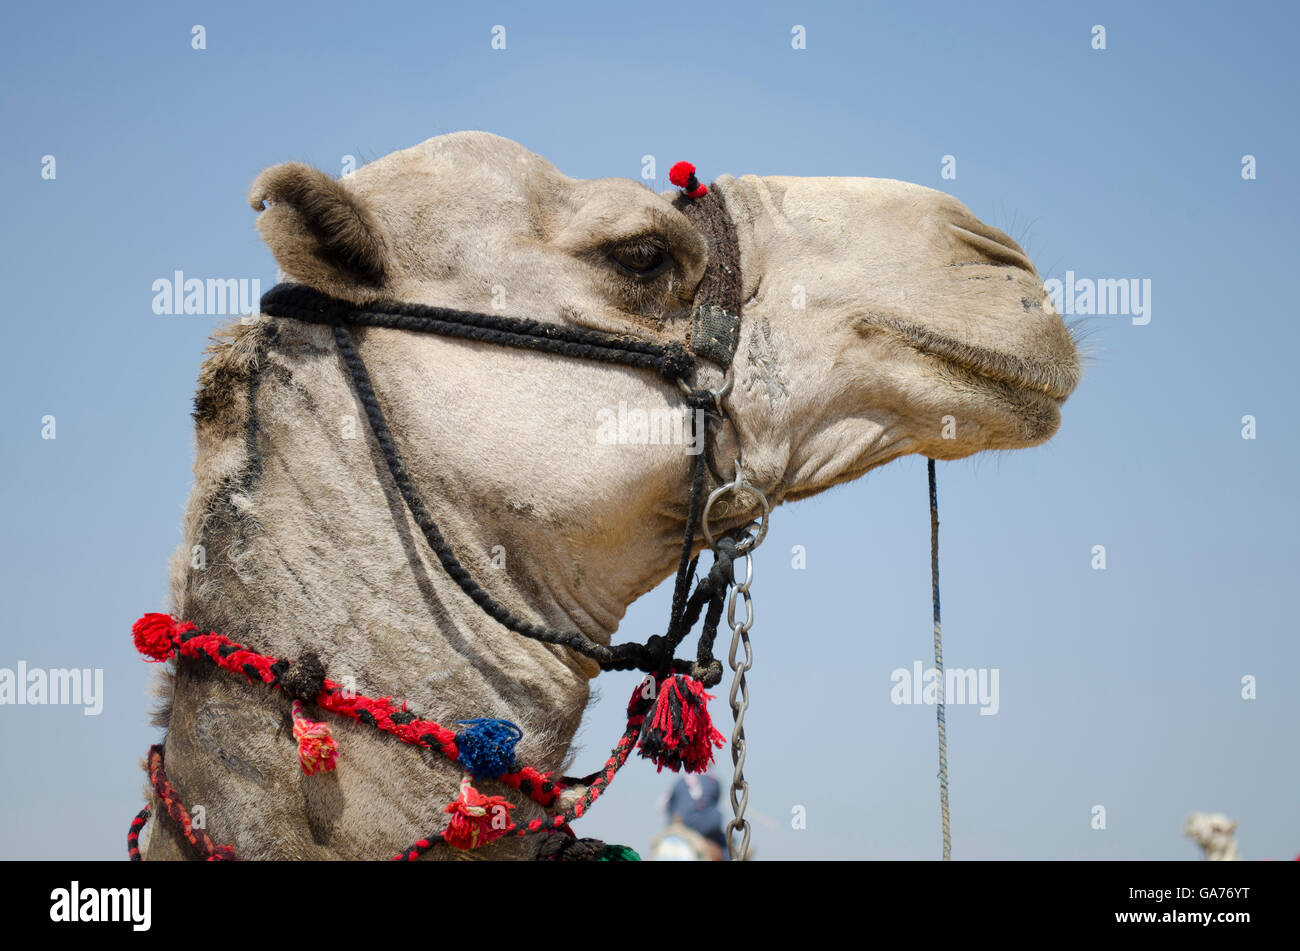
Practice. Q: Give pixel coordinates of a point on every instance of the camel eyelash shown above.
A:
(644, 258)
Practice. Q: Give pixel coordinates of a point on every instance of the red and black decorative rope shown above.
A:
(560, 821)
(171, 802)
(133, 834)
(158, 636)
(680, 734)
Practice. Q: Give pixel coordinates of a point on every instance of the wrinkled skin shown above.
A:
(874, 310)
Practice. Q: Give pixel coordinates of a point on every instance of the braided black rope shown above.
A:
(621, 657)
(686, 564)
(672, 361)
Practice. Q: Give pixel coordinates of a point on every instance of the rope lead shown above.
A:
(938, 662)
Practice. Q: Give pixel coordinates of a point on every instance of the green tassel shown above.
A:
(618, 853)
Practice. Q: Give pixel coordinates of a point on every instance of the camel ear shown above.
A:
(319, 231)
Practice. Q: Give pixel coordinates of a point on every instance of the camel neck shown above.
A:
(297, 540)
(313, 550)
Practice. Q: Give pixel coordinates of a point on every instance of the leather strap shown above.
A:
(715, 324)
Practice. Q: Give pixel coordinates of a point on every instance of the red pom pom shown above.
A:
(155, 636)
(476, 819)
(683, 176)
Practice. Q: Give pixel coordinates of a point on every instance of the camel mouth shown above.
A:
(1055, 378)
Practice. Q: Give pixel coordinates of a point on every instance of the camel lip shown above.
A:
(1055, 380)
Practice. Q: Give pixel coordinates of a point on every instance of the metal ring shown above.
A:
(746, 544)
(718, 395)
(738, 483)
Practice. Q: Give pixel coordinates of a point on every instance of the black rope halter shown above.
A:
(714, 335)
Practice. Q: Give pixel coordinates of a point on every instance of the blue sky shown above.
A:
(1120, 687)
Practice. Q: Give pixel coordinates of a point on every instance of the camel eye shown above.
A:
(642, 258)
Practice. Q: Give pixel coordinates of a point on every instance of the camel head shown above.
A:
(880, 318)
(1215, 833)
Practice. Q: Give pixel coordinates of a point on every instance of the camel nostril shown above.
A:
(994, 247)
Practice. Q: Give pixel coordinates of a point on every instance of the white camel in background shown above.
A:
(1215, 833)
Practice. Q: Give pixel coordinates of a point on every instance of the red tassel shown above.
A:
(683, 176)
(476, 819)
(317, 749)
(678, 731)
(156, 635)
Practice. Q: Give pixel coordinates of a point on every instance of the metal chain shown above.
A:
(739, 704)
(751, 536)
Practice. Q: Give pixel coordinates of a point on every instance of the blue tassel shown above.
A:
(487, 747)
